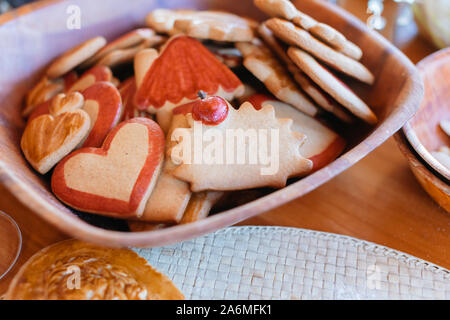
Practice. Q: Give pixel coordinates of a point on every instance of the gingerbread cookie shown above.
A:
(139, 38)
(63, 103)
(200, 206)
(175, 76)
(40, 110)
(293, 35)
(231, 57)
(308, 86)
(332, 85)
(224, 166)
(170, 197)
(137, 226)
(117, 179)
(322, 145)
(49, 138)
(322, 98)
(260, 61)
(42, 92)
(104, 274)
(70, 79)
(127, 91)
(103, 103)
(74, 57)
(286, 10)
(122, 56)
(163, 20)
(90, 77)
(212, 25)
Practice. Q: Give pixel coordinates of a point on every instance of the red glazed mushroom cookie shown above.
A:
(177, 74)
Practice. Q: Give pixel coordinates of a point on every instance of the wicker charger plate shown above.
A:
(287, 263)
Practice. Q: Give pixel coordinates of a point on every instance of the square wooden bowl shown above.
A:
(34, 35)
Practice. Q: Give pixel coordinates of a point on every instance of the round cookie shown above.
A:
(332, 85)
(74, 57)
(104, 274)
(293, 35)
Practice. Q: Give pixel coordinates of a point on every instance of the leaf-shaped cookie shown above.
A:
(248, 149)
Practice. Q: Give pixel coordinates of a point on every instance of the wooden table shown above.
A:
(377, 200)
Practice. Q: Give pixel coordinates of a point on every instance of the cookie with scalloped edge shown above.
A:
(269, 162)
(332, 85)
(260, 61)
(286, 10)
(320, 97)
(296, 36)
(211, 25)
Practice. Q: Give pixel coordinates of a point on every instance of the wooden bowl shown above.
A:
(431, 183)
(423, 131)
(31, 40)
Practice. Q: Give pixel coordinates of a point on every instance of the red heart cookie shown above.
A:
(40, 110)
(90, 77)
(117, 179)
(104, 105)
(127, 90)
(70, 79)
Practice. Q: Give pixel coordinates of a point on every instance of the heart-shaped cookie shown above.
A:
(48, 139)
(103, 103)
(127, 90)
(116, 179)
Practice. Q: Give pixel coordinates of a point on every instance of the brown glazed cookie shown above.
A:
(104, 274)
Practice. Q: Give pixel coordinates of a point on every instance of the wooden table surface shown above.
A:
(377, 200)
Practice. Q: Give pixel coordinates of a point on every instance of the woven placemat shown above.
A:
(287, 263)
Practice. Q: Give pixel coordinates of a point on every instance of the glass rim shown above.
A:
(19, 249)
